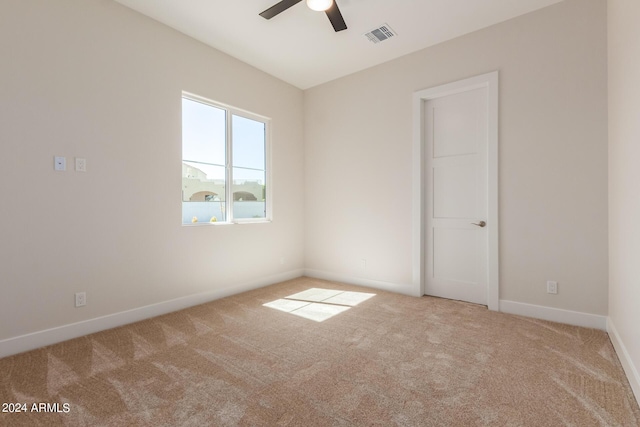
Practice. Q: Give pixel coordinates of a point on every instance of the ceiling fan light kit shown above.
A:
(330, 7)
(319, 5)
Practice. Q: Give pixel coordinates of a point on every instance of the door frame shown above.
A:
(489, 81)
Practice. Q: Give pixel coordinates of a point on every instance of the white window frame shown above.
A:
(230, 112)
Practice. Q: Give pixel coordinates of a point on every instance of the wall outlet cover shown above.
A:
(60, 163)
(81, 164)
(81, 299)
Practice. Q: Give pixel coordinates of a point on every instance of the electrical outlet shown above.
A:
(81, 299)
(552, 287)
(81, 164)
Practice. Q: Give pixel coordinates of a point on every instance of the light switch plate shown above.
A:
(60, 163)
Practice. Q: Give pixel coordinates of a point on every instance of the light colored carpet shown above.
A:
(391, 360)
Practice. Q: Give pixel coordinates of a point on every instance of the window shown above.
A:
(224, 164)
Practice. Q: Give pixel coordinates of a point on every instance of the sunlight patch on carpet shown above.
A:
(314, 295)
(286, 305)
(319, 304)
(349, 298)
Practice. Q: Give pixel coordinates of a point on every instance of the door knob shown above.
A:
(479, 224)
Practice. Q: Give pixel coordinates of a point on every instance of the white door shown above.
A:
(456, 214)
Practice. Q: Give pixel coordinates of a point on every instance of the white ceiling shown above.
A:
(299, 46)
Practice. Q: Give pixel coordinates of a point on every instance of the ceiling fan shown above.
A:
(330, 7)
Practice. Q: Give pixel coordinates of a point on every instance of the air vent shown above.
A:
(380, 34)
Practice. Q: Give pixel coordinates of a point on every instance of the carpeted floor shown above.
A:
(390, 360)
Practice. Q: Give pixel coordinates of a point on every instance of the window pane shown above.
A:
(203, 193)
(249, 193)
(203, 133)
(198, 179)
(199, 212)
(211, 153)
(248, 143)
(244, 209)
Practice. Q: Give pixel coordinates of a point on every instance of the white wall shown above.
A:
(553, 158)
(94, 79)
(624, 179)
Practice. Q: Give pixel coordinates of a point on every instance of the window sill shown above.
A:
(217, 223)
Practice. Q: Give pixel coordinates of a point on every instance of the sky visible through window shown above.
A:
(203, 141)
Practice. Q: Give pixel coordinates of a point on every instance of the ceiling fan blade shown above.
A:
(278, 8)
(334, 15)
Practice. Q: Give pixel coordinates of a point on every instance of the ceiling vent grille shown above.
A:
(380, 34)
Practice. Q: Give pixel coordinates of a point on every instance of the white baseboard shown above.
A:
(529, 310)
(626, 361)
(576, 318)
(58, 334)
(400, 288)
